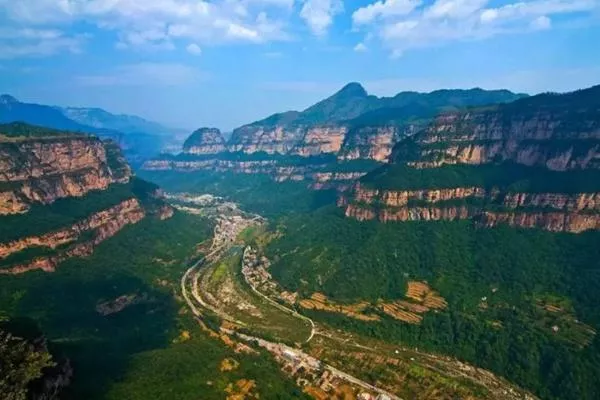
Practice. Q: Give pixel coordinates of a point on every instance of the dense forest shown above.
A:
(499, 284)
(141, 351)
(506, 176)
(256, 192)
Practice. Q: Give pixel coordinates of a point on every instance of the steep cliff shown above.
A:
(321, 139)
(366, 125)
(49, 165)
(531, 163)
(558, 132)
(61, 194)
(205, 141)
(373, 143)
(315, 171)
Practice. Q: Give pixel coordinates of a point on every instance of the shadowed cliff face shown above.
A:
(101, 226)
(559, 134)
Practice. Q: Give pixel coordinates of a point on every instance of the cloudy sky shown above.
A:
(191, 63)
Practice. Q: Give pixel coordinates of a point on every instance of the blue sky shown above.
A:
(191, 63)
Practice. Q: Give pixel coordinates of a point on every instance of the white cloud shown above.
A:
(407, 24)
(194, 49)
(383, 9)
(360, 48)
(536, 8)
(144, 74)
(33, 42)
(160, 24)
(454, 8)
(541, 23)
(319, 14)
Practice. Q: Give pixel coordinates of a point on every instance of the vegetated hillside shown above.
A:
(353, 101)
(61, 194)
(522, 303)
(116, 316)
(477, 209)
(257, 193)
(138, 138)
(531, 163)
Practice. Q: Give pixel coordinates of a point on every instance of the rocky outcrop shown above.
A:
(205, 141)
(371, 143)
(399, 198)
(321, 140)
(550, 211)
(42, 170)
(101, 225)
(549, 145)
(557, 132)
(251, 139)
(553, 155)
(551, 221)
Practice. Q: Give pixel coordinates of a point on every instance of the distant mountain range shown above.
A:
(139, 138)
(352, 104)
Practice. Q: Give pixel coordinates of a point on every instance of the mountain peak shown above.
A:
(8, 99)
(353, 89)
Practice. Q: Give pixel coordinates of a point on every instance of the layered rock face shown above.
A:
(367, 143)
(205, 141)
(39, 167)
(42, 170)
(321, 140)
(271, 140)
(102, 225)
(347, 126)
(551, 211)
(317, 174)
(373, 143)
(547, 144)
(557, 132)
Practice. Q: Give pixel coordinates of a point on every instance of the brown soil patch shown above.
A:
(417, 290)
(395, 311)
(319, 301)
(421, 299)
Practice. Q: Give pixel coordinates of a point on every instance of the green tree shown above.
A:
(20, 364)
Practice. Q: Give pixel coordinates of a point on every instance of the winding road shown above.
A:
(191, 273)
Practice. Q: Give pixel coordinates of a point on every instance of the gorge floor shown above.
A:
(333, 360)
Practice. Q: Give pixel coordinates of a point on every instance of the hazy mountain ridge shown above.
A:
(139, 138)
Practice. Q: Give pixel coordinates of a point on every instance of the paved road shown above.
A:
(192, 272)
(282, 307)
